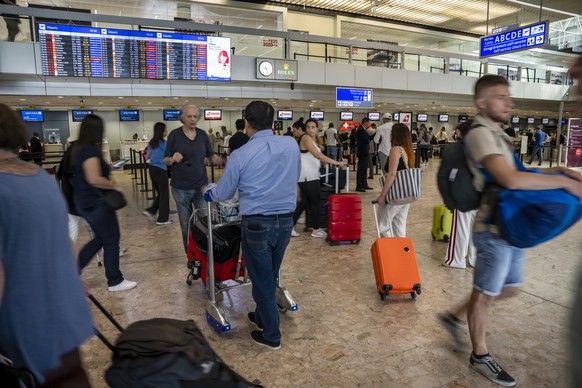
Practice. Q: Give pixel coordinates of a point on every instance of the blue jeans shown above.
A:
(185, 199)
(539, 151)
(105, 228)
(498, 264)
(264, 240)
(332, 152)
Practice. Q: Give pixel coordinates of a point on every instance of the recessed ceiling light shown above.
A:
(120, 97)
(23, 99)
(175, 98)
(46, 102)
(136, 100)
(59, 96)
(226, 99)
(101, 102)
(149, 102)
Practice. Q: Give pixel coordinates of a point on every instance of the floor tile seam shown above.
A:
(545, 300)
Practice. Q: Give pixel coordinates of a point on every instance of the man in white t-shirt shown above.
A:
(382, 138)
(332, 142)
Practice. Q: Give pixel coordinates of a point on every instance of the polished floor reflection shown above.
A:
(343, 335)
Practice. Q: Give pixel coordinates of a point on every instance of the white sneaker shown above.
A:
(301, 220)
(294, 233)
(319, 233)
(164, 223)
(124, 285)
(148, 215)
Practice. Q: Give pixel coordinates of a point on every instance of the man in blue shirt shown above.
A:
(265, 171)
(538, 149)
(186, 151)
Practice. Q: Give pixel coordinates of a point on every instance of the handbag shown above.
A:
(12, 377)
(406, 186)
(113, 199)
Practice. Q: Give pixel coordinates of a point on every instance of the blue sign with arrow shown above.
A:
(523, 38)
(353, 98)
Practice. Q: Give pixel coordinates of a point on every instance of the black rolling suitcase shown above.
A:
(167, 353)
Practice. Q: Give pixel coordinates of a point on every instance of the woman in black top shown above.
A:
(392, 218)
(91, 177)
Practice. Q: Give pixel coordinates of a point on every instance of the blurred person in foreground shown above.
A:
(44, 316)
(575, 334)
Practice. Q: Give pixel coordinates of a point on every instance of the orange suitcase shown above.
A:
(395, 265)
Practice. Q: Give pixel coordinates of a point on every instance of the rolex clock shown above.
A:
(264, 68)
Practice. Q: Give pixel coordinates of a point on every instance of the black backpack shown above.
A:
(455, 179)
(64, 175)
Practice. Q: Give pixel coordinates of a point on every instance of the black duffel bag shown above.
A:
(226, 239)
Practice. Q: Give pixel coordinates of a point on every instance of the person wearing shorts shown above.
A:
(499, 268)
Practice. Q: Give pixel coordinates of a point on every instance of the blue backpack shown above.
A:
(527, 218)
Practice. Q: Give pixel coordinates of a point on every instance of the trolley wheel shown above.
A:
(189, 279)
(99, 264)
(190, 264)
(332, 243)
(355, 241)
(382, 296)
(413, 294)
(282, 309)
(446, 238)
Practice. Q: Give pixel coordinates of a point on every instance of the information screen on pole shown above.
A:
(523, 38)
(353, 98)
(574, 150)
(71, 51)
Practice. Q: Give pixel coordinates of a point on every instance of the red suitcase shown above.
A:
(222, 271)
(344, 218)
(395, 266)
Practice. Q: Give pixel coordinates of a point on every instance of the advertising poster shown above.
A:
(405, 118)
(574, 157)
(218, 55)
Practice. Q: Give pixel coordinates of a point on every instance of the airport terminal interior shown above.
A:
(417, 60)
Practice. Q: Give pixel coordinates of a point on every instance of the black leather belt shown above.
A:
(274, 216)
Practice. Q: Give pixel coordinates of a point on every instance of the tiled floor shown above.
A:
(343, 335)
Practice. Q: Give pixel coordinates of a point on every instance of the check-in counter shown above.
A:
(138, 145)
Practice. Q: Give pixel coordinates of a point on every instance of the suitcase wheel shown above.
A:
(332, 243)
(282, 309)
(446, 238)
(416, 288)
(382, 296)
(355, 241)
(189, 279)
(190, 264)
(413, 294)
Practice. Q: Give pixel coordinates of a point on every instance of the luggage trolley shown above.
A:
(219, 214)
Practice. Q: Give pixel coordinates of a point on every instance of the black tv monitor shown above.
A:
(80, 114)
(463, 118)
(346, 116)
(530, 120)
(515, 120)
(396, 117)
(129, 115)
(284, 115)
(422, 117)
(443, 118)
(32, 115)
(171, 114)
(212, 114)
(316, 115)
(545, 120)
(374, 116)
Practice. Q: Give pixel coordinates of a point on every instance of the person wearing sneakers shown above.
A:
(311, 159)
(265, 171)
(460, 249)
(499, 266)
(159, 175)
(91, 175)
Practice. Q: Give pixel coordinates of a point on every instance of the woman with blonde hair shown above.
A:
(393, 217)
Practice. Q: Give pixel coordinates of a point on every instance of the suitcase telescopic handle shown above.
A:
(374, 206)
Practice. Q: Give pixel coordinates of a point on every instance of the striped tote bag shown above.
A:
(406, 187)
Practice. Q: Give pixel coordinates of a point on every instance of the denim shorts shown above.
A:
(498, 264)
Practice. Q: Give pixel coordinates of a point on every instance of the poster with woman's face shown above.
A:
(218, 54)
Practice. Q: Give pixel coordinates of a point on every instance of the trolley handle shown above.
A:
(374, 207)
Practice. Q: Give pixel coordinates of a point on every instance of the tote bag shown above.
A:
(406, 187)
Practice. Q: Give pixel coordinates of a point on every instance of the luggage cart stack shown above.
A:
(219, 215)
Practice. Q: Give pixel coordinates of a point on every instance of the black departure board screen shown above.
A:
(71, 51)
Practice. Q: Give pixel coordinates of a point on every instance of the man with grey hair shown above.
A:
(187, 148)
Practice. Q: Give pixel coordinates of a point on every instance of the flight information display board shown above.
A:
(72, 51)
